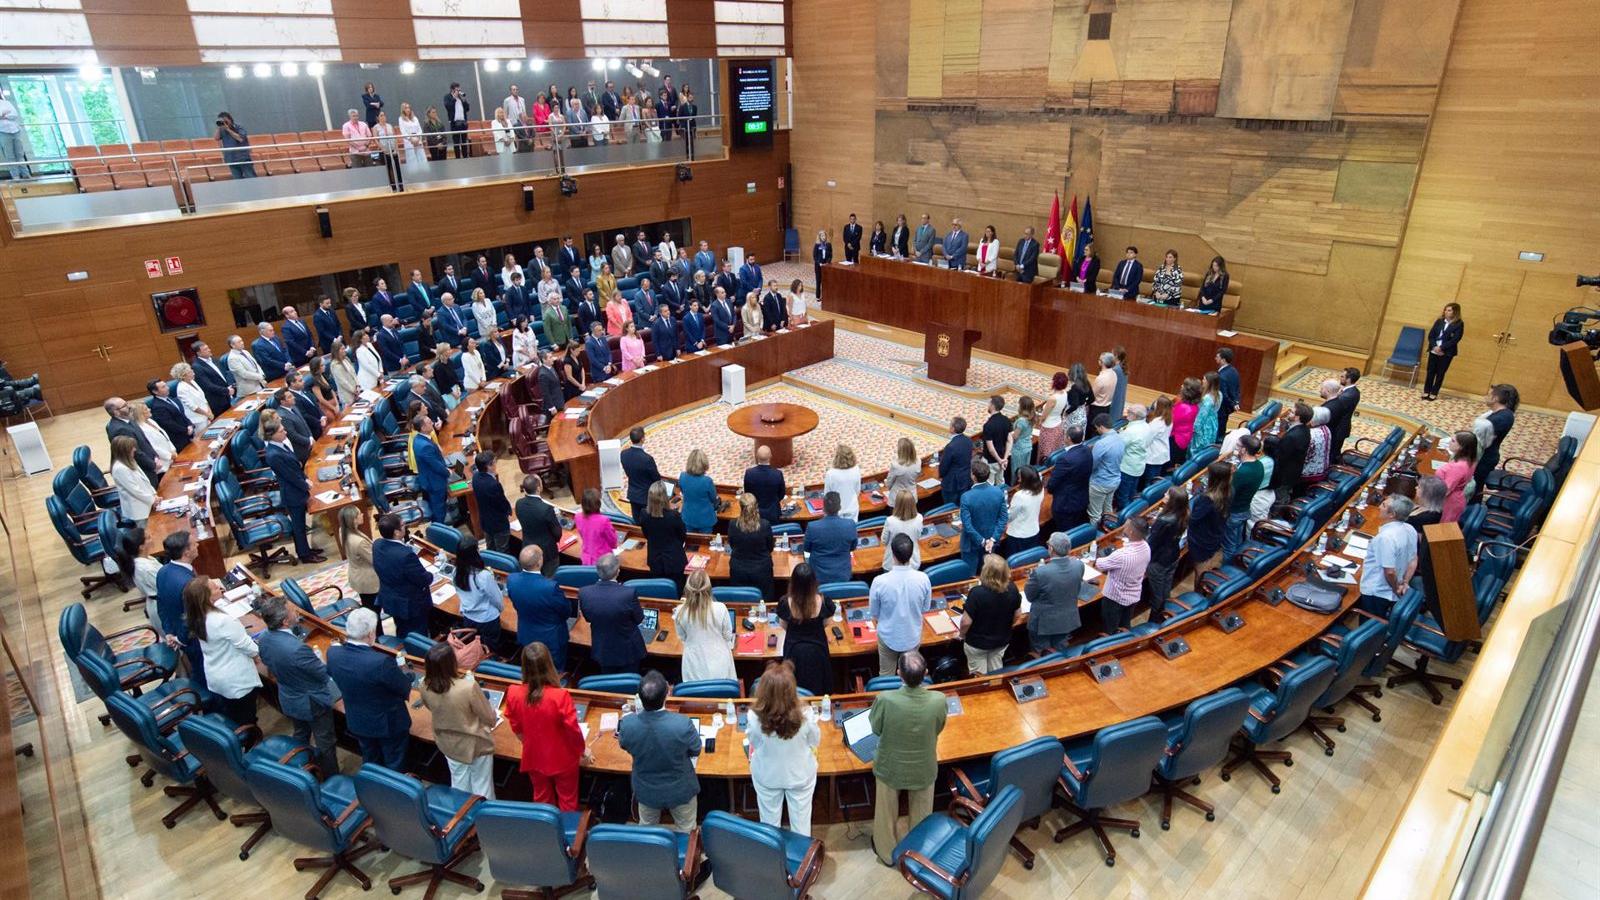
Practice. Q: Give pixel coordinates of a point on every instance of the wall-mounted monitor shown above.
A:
(754, 97)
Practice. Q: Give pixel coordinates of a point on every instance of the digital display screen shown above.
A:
(754, 102)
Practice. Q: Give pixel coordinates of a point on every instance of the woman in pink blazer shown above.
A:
(595, 531)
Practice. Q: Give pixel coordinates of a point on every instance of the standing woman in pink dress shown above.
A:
(618, 314)
(541, 122)
(1457, 474)
(632, 347)
(595, 531)
(1183, 416)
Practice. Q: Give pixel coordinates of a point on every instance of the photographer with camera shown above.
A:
(456, 109)
(232, 135)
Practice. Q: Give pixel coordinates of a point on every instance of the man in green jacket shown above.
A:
(907, 722)
(557, 323)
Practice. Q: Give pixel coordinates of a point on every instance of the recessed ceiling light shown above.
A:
(316, 69)
(289, 69)
(261, 70)
(491, 65)
(234, 71)
(408, 67)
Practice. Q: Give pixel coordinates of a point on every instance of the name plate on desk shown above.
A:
(1078, 286)
(1117, 295)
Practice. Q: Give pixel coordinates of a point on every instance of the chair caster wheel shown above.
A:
(1289, 763)
(1439, 701)
(243, 856)
(1166, 825)
(1211, 817)
(1377, 718)
(1276, 789)
(1226, 777)
(1111, 860)
(1134, 833)
(1341, 729)
(394, 890)
(1378, 692)
(1028, 864)
(222, 816)
(170, 825)
(1327, 751)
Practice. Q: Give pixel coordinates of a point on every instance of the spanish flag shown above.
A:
(1068, 244)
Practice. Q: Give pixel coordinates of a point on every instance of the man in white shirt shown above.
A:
(1391, 558)
(897, 601)
(247, 374)
(11, 136)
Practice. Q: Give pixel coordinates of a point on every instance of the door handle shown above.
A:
(1511, 338)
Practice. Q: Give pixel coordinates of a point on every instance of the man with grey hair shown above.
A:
(907, 721)
(1052, 590)
(1391, 558)
(248, 376)
(375, 692)
(271, 352)
(614, 616)
(1104, 386)
(621, 258)
(304, 694)
(357, 132)
(1429, 510)
(120, 424)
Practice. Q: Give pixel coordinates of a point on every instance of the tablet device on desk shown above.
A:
(858, 735)
(651, 625)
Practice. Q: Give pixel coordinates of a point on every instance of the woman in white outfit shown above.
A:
(343, 372)
(472, 373)
(154, 435)
(505, 137)
(369, 365)
(845, 477)
(706, 632)
(192, 398)
(411, 134)
(134, 489)
(783, 737)
(524, 345)
(483, 311)
(907, 521)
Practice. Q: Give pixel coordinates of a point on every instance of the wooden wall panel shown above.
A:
(224, 252)
(142, 32)
(835, 87)
(1014, 54)
(1394, 57)
(1069, 28)
(1510, 165)
(925, 66)
(963, 23)
(1162, 40)
(1283, 60)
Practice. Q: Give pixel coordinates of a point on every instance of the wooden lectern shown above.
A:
(1451, 579)
(948, 352)
(1577, 370)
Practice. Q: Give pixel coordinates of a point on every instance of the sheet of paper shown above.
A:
(1090, 573)
(928, 483)
(236, 608)
(584, 727)
(608, 721)
(442, 593)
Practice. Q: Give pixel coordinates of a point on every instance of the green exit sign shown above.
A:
(755, 127)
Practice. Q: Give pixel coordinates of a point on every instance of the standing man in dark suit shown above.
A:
(766, 484)
(588, 312)
(482, 277)
(640, 467)
(1288, 452)
(955, 462)
(297, 337)
(829, 542)
(1227, 386)
(821, 255)
(1341, 410)
(306, 405)
(382, 302)
(375, 692)
(169, 414)
(403, 583)
(551, 397)
(664, 333)
(955, 246)
(494, 510)
(119, 424)
(270, 352)
(727, 280)
(642, 302)
(450, 284)
(614, 617)
(643, 253)
(660, 271)
(722, 318)
(456, 109)
(568, 256)
(1128, 276)
(1443, 339)
(772, 314)
(327, 324)
(598, 351)
(852, 240)
(518, 304)
(1025, 258)
(1069, 483)
(295, 491)
(181, 551)
(212, 378)
(572, 288)
(923, 240)
(417, 293)
(296, 431)
(749, 276)
(541, 526)
(671, 294)
(611, 104)
(302, 680)
(433, 476)
(449, 323)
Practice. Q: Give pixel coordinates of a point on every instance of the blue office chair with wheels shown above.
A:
(165, 754)
(75, 498)
(643, 862)
(325, 817)
(617, 683)
(1113, 767)
(790, 528)
(84, 546)
(1351, 654)
(445, 537)
(104, 493)
(1275, 714)
(333, 613)
(655, 588)
(943, 857)
(1407, 351)
(257, 536)
(432, 824)
(1197, 739)
(1026, 557)
(1032, 767)
(842, 590)
(708, 687)
(1401, 615)
(750, 859)
(534, 844)
(222, 753)
(576, 576)
(950, 571)
(151, 663)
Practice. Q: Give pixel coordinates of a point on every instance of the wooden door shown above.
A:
(1528, 359)
(98, 340)
(1488, 298)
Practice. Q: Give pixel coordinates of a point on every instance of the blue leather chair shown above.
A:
(1407, 351)
(166, 756)
(950, 571)
(619, 683)
(325, 817)
(842, 590)
(445, 537)
(576, 576)
(940, 510)
(169, 701)
(736, 594)
(1351, 654)
(1426, 636)
(1197, 739)
(943, 857)
(84, 546)
(708, 687)
(790, 528)
(75, 498)
(1082, 535)
(432, 824)
(503, 563)
(257, 536)
(1401, 616)
(643, 862)
(100, 487)
(655, 588)
(333, 613)
(220, 748)
(151, 663)
(1113, 767)
(409, 511)
(1277, 713)
(1031, 767)
(1026, 557)
(749, 859)
(534, 844)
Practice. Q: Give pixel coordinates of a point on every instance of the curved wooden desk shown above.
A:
(775, 426)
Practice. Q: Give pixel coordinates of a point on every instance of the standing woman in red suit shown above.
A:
(541, 713)
(1443, 339)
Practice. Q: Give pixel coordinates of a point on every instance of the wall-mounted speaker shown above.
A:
(685, 173)
(527, 198)
(569, 187)
(324, 222)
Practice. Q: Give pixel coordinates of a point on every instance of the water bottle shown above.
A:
(1322, 543)
(728, 712)
(761, 612)
(827, 707)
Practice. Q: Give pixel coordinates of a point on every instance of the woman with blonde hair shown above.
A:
(699, 493)
(750, 542)
(904, 520)
(605, 283)
(134, 491)
(191, 397)
(844, 476)
(343, 372)
(750, 315)
(706, 631)
(905, 471)
(484, 312)
(618, 314)
(664, 534)
(990, 616)
(139, 413)
(783, 737)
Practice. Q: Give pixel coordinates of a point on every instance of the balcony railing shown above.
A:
(125, 184)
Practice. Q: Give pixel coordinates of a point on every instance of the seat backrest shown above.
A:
(504, 563)
(1356, 651)
(618, 683)
(1123, 757)
(1026, 557)
(291, 796)
(84, 551)
(707, 687)
(576, 576)
(214, 743)
(739, 594)
(843, 590)
(635, 861)
(524, 843)
(1209, 725)
(747, 858)
(71, 628)
(949, 572)
(1401, 615)
(418, 644)
(1296, 692)
(1408, 345)
(138, 723)
(297, 595)
(989, 838)
(1032, 768)
(398, 806)
(445, 537)
(657, 588)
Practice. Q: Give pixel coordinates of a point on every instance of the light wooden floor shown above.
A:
(1317, 839)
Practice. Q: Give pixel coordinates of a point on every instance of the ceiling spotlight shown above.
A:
(261, 70)
(536, 64)
(613, 64)
(234, 72)
(491, 65)
(597, 64)
(90, 74)
(408, 68)
(650, 70)
(634, 70)
(514, 65)
(289, 69)
(316, 69)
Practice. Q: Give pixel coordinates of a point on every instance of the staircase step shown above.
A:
(1288, 364)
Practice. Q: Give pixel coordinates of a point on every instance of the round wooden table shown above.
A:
(774, 425)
